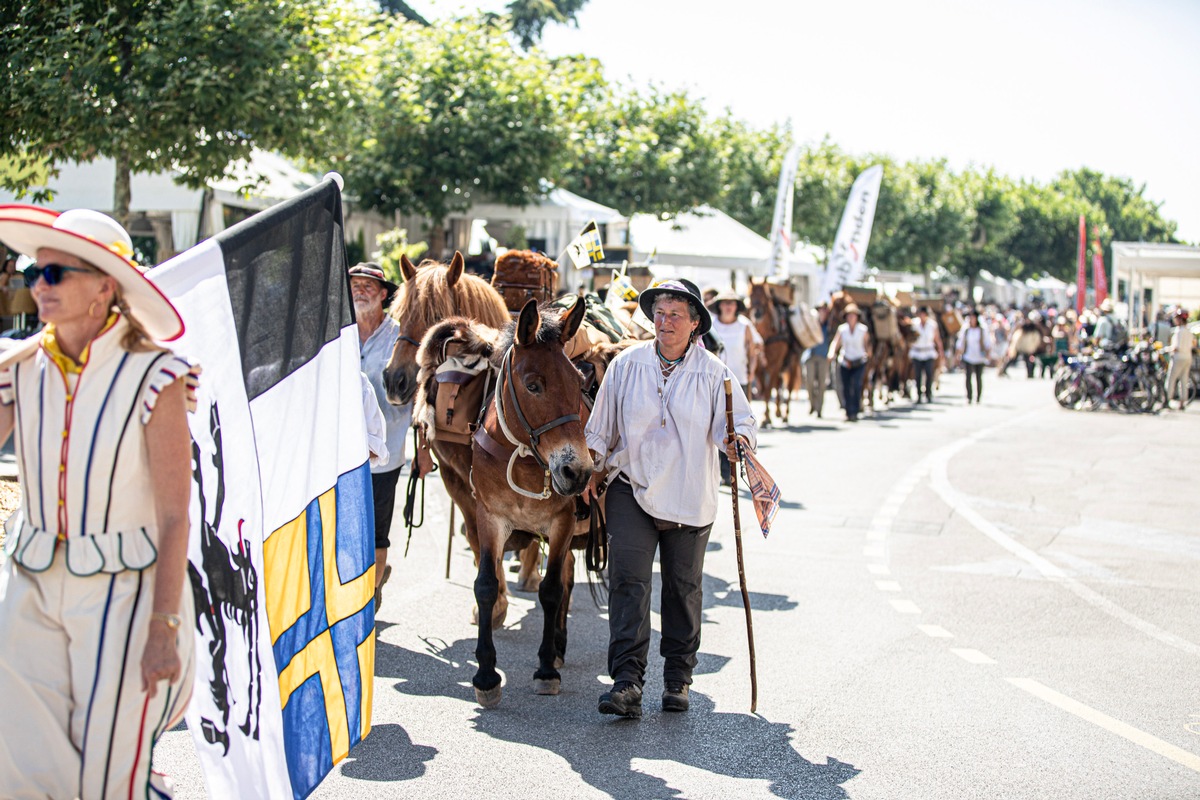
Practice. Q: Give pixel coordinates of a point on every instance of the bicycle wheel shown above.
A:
(1069, 390)
(1140, 397)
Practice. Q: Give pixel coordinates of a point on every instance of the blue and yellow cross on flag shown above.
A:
(587, 247)
(282, 551)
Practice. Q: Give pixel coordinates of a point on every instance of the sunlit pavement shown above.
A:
(995, 601)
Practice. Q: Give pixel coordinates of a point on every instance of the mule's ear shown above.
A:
(528, 324)
(456, 269)
(407, 269)
(572, 319)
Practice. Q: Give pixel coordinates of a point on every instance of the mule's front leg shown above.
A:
(547, 680)
(487, 592)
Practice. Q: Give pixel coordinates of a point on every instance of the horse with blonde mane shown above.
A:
(431, 293)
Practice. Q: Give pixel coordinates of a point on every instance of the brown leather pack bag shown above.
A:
(463, 383)
(521, 275)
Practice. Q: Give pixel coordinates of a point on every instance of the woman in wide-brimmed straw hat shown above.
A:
(97, 551)
(740, 345)
(849, 350)
(655, 430)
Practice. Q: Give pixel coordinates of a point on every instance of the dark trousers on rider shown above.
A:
(923, 368)
(633, 539)
(852, 383)
(974, 371)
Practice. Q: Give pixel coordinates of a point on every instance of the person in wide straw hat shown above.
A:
(655, 430)
(97, 551)
(740, 345)
(849, 350)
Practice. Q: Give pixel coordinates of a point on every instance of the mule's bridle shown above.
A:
(534, 434)
(410, 340)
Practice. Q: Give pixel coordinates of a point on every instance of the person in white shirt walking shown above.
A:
(739, 350)
(972, 350)
(656, 428)
(925, 352)
(849, 349)
(1183, 342)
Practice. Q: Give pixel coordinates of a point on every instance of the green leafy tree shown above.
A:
(530, 17)
(190, 86)
(823, 180)
(993, 206)
(1046, 238)
(460, 116)
(751, 159)
(648, 151)
(1130, 216)
(924, 215)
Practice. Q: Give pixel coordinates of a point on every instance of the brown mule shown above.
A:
(530, 460)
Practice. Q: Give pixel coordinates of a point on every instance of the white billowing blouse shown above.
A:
(81, 450)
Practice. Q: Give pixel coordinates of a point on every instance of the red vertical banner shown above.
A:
(1081, 273)
(1098, 278)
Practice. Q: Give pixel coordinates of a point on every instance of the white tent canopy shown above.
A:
(708, 246)
(1147, 276)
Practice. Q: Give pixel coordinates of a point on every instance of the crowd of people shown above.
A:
(1037, 336)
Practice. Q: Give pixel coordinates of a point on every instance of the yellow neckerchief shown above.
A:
(64, 361)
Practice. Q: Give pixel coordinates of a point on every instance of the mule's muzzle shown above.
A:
(569, 474)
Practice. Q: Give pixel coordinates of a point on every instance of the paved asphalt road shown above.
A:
(993, 601)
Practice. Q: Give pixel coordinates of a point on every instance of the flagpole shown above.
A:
(737, 535)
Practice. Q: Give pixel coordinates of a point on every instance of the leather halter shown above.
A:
(521, 449)
(409, 339)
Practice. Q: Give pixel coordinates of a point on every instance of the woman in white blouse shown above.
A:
(973, 343)
(656, 429)
(97, 630)
(849, 349)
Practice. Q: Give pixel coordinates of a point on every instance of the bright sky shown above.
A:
(1030, 87)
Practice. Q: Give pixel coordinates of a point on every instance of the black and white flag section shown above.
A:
(282, 558)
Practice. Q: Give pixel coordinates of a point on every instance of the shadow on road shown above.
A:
(616, 756)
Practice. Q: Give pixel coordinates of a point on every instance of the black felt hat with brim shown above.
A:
(682, 289)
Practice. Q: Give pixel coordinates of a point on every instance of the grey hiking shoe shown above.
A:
(624, 699)
(675, 696)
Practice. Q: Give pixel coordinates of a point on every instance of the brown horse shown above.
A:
(779, 375)
(528, 461)
(431, 293)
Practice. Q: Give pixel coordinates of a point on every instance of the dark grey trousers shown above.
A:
(633, 540)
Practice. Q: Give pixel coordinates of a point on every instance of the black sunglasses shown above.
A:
(52, 274)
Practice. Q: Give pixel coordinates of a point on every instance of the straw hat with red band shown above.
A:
(99, 240)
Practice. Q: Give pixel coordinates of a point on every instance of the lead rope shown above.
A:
(410, 492)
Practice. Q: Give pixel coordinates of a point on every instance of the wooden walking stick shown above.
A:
(450, 541)
(737, 535)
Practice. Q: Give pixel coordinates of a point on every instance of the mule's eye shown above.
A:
(533, 387)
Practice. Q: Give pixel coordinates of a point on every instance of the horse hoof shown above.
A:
(475, 615)
(530, 584)
(489, 698)
(498, 618)
(544, 686)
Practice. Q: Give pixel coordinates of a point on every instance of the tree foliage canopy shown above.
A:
(159, 85)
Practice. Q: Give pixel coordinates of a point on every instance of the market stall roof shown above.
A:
(1171, 272)
(556, 204)
(704, 237)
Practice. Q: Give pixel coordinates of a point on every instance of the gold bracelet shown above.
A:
(172, 621)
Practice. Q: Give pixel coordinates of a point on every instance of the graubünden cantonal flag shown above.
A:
(282, 551)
